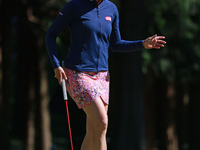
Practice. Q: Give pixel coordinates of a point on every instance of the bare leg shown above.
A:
(97, 122)
(87, 142)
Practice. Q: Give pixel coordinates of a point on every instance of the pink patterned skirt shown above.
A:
(85, 87)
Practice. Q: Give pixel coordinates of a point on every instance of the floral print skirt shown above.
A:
(85, 87)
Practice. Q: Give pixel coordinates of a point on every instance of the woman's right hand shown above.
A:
(59, 74)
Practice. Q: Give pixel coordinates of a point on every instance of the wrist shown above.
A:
(144, 44)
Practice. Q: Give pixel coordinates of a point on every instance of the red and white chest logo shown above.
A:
(108, 18)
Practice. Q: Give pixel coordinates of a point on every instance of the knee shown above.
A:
(101, 125)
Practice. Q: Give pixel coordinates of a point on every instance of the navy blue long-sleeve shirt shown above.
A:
(93, 28)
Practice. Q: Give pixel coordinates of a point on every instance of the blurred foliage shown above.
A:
(179, 21)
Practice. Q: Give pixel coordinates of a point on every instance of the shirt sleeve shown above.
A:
(64, 18)
(119, 45)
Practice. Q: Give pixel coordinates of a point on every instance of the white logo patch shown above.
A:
(108, 18)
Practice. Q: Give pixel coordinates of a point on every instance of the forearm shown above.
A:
(127, 46)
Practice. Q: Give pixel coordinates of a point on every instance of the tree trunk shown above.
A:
(150, 110)
(31, 106)
(182, 111)
(42, 100)
(160, 113)
(25, 93)
(126, 84)
(194, 116)
(5, 70)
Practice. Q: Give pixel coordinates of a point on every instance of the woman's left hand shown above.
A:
(154, 42)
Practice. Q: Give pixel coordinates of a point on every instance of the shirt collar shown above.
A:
(93, 0)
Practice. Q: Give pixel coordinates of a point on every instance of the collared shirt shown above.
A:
(93, 28)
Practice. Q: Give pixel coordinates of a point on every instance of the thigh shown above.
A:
(97, 111)
(89, 126)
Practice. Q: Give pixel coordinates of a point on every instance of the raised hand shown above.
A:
(154, 42)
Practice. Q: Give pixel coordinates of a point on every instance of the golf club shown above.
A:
(65, 99)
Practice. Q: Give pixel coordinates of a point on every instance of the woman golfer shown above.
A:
(94, 26)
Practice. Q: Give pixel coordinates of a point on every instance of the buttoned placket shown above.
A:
(98, 15)
(100, 30)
